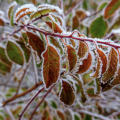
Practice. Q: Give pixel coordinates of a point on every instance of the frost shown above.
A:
(52, 7)
(116, 32)
(2, 13)
(1, 104)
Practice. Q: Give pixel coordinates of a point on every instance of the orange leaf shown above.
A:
(1, 22)
(56, 28)
(61, 114)
(51, 66)
(72, 57)
(83, 48)
(36, 43)
(111, 8)
(67, 95)
(86, 64)
(112, 65)
(98, 70)
(103, 59)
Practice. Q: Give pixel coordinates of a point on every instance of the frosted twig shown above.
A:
(30, 102)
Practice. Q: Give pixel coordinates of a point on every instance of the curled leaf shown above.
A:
(86, 63)
(112, 65)
(67, 95)
(51, 66)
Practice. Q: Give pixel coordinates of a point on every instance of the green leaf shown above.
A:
(12, 90)
(4, 67)
(102, 6)
(88, 117)
(4, 58)
(1, 117)
(51, 66)
(99, 27)
(67, 95)
(53, 104)
(111, 8)
(76, 117)
(25, 50)
(36, 43)
(56, 44)
(90, 92)
(15, 53)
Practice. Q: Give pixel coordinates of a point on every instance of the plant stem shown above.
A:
(41, 101)
(30, 102)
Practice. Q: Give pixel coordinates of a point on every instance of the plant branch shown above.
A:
(114, 114)
(41, 101)
(70, 9)
(110, 43)
(30, 102)
(93, 114)
(22, 94)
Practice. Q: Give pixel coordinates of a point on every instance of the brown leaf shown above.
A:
(72, 57)
(46, 115)
(112, 65)
(83, 48)
(75, 23)
(86, 64)
(67, 95)
(36, 43)
(1, 22)
(81, 14)
(72, 42)
(51, 66)
(61, 114)
(90, 92)
(111, 8)
(103, 59)
(56, 28)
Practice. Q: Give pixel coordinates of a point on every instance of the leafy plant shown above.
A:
(68, 54)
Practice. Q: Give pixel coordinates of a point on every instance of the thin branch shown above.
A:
(21, 80)
(22, 94)
(30, 102)
(41, 101)
(114, 114)
(35, 69)
(110, 43)
(91, 15)
(109, 36)
(93, 114)
(70, 9)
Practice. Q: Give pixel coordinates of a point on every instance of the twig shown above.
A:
(109, 36)
(70, 9)
(30, 102)
(77, 38)
(94, 114)
(91, 15)
(41, 101)
(22, 94)
(114, 114)
(21, 80)
(35, 69)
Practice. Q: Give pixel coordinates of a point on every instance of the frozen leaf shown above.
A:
(24, 10)
(72, 57)
(36, 43)
(112, 65)
(86, 77)
(51, 66)
(98, 69)
(4, 58)
(15, 53)
(4, 67)
(25, 50)
(56, 43)
(67, 95)
(46, 115)
(76, 117)
(53, 104)
(86, 63)
(24, 35)
(103, 59)
(75, 23)
(111, 8)
(72, 42)
(49, 24)
(80, 85)
(98, 27)
(90, 92)
(56, 28)
(61, 115)
(98, 85)
(83, 49)
(103, 5)
(1, 22)
(81, 14)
